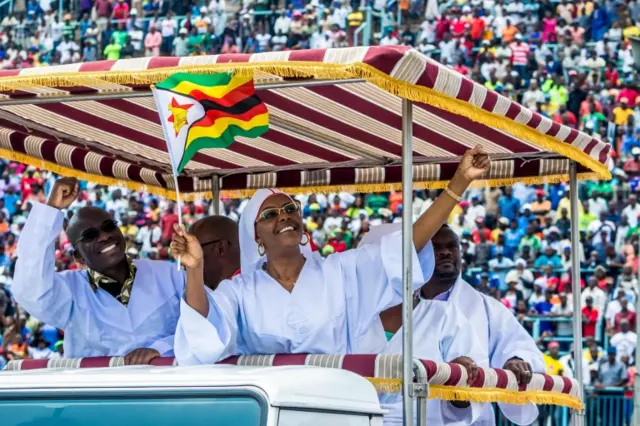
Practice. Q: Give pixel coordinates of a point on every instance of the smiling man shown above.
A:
(117, 306)
(503, 340)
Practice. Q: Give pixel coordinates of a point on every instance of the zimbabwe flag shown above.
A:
(207, 111)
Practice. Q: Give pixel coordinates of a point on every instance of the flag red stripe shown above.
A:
(212, 115)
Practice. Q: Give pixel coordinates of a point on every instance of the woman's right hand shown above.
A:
(474, 164)
(186, 247)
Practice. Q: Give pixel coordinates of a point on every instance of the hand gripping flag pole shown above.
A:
(199, 111)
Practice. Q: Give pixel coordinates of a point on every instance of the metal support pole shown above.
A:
(366, 37)
(578, 416)
(635, 420)
(215, 188)
(407, 251)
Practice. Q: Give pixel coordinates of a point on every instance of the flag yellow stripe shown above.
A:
(186, 87)
(222, 124)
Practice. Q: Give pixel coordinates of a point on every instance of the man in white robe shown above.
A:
(118, 306)
(504, 342)
(440, 333)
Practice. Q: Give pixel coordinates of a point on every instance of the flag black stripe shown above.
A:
(236, 109)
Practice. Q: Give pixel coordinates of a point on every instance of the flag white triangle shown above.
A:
(177, 113)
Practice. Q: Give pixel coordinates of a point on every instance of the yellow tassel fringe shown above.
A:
(483, 395)
(246, 193)
(320, 71)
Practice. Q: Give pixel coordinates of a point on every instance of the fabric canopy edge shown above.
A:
(332, 71)
(245, 193)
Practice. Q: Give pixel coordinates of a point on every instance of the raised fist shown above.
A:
(64, 192)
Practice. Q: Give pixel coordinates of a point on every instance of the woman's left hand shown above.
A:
(475, 162)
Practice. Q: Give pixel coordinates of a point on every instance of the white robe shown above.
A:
(330, 309)
(501, 338)
(95, 323)
(441, 334)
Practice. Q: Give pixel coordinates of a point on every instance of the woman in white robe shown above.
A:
(287, 302)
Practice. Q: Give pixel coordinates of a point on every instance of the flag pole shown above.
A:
(179, 203)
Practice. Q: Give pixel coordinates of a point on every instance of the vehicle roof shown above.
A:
(287, 386)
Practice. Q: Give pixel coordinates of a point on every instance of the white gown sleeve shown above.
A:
(458, 339)
(508, 339)
(165, 345)
(201, 340)
(372, 276)
(41, 291)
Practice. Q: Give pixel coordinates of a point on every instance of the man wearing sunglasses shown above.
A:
(117, 306)
(218, 236)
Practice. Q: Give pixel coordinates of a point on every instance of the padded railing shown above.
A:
(446, 381)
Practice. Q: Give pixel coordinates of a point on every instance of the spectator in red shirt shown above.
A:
(443, 25)
(628, 92)
(589, 318)
(461, 67)
(335, 241)
(611, 74)
(625, 313)
(120, 10)
(480, 228)
(168, 220)
(566, 117)
(477, 28)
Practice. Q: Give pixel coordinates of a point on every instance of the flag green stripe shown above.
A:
(208, 80)
(226, 139)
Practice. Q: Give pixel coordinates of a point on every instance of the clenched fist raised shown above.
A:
(64, 191)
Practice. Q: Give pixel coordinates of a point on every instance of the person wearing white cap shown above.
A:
(286, 301)
(503, 340)
(441, 333)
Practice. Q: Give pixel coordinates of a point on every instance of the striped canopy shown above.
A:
(335, 124)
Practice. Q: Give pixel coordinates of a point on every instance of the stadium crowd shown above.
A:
(571, 61)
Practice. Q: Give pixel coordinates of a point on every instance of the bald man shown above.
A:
(117, 306)
(218, 236)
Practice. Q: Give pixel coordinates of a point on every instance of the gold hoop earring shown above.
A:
(306, 242)
(261, 253)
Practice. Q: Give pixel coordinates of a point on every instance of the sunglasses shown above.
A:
(91, 234)
(273, 212)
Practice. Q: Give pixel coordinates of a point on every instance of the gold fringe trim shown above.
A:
(247, 193)
(320, 71)
(386, 385)
(483, 395)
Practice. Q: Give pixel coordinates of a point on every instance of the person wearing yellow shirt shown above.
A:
(620, 114)
(552, 359)
(630, 30)
(565, 203)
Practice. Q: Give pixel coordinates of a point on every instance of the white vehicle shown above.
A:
(203, 395)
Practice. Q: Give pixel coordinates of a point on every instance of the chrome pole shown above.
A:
(215, 188)
(635, 421)
(578, 416)
(407, 250)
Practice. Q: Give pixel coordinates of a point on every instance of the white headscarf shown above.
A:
(250, 259)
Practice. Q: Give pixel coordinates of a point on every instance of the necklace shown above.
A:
(279, 280)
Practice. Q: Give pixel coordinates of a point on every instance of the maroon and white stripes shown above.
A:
(330, 135)
(382, 366)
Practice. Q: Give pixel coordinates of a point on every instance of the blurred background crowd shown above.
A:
(571, 61)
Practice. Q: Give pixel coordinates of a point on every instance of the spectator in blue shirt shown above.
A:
(10, 200)
(508, 204)
(543, 309)
(549, 258)
(512, 237)
(526, 217)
